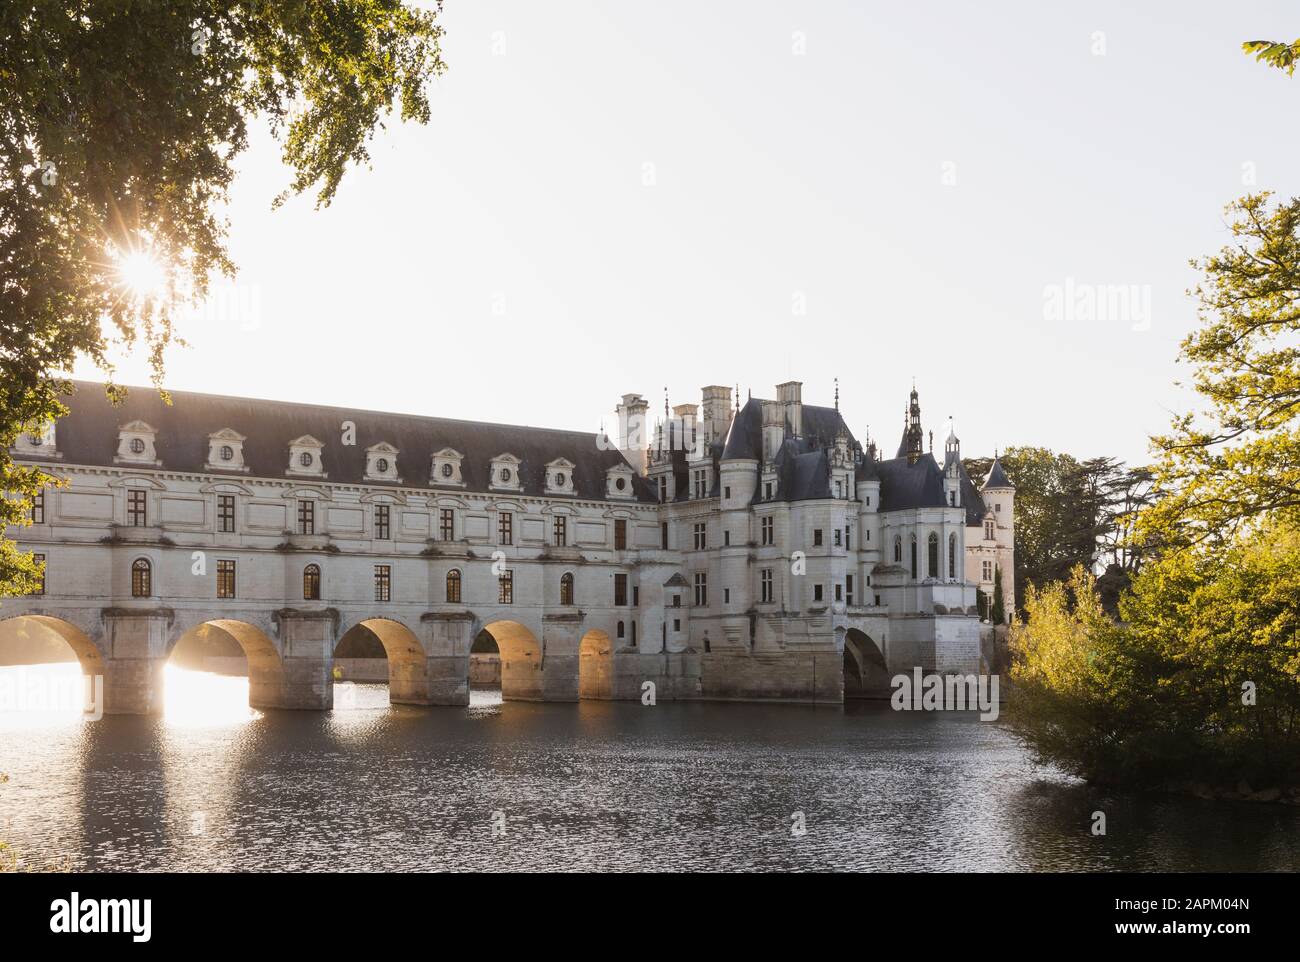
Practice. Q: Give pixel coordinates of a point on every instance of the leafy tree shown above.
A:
(1238, 465)
(1199, 682)
(998, 614)
(120, 121)
(1070, 512)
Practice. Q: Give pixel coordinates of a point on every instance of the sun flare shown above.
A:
(142, 275)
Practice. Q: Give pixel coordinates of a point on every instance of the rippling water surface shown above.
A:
(214, 785)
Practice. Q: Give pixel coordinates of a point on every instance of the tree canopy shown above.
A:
(120, 124)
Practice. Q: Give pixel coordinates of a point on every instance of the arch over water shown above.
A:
(56, 629)
(265, 666)
(595, 665)
(866, 674)
(408, 662)
(521, 660)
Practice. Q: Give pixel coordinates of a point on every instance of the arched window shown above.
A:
(914, 568)
(952, 556)
(453, 586)
(898, 550)
(311, 583)
(566, 589)
(932, 556)
(141, 578)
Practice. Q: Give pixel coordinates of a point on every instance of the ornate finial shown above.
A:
(737, 397)
(665, 400)
(837, 394)
(932, 442)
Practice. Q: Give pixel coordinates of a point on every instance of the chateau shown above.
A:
(755, 551)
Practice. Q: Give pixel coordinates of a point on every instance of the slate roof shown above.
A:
(88, 435)
(970, 495)
(802, 464)
(997, 478)
(911, 485)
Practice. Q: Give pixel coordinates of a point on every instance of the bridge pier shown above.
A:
(447, 638)
(135, 642)
(304, 676)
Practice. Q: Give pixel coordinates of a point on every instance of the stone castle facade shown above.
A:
(727, 552)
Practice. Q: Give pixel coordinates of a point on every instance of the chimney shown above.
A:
(790, 395)
(773, 429)
(716, 412)
(688, 438)
(633, 430)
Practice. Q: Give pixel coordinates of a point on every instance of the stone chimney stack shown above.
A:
(686, 417)
(716, 412)
(633, 430)
(790, 395)
(773, 429)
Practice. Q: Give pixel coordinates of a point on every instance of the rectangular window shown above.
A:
(663, 490)
(38, 508)
(848, 538)
(636, 596)
(40, 575)
(877, 601)
(306, 517)
(506, 528)
(225, 579)
(767, 491)
(988, 570)
(382, 517)
(634, 633)
(447, 524)
(701, 536)
(837, 537)
(726, 492)
(677, 624)
(767, 527)
(701, 484)
(226, 513)
(817, 592)
(620, 534)
(839, 592)
(383, 583)
(817, 537)
(561, 527)
(765, 583)
(620, 590)
(135, 507)
(848, 588)
(663, 534)
(726, 596)
(701, 589)
(726, 537)
(506, 588)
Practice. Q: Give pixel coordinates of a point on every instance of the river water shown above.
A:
(214, 785)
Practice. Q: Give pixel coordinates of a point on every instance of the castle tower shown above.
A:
(999, 495)
(912, 446)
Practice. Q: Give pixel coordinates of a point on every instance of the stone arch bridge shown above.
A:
(557, 656)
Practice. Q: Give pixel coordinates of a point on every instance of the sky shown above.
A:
(620, 197)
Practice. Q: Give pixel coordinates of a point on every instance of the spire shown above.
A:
(837, 394)
(913, 436)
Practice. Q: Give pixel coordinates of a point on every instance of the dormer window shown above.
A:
(381, 462)
(135, 444)
(559, 477)
(226, 451)
(38, 442)
(444, 468)
(618, 483)
(505, 473)
(305, 457)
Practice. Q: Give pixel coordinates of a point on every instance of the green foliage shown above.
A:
(1068, 512)
(120, 121)
(1238, 466)
(998, 615)
(1274, 53)
(1157, 699)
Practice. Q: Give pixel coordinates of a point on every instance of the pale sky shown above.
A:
(617, 197)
